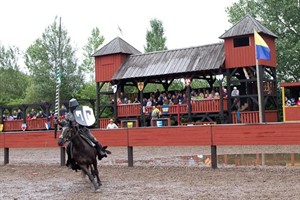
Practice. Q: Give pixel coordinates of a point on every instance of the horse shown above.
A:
(82, 152)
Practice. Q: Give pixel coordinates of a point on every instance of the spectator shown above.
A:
(41, 114)
(235, 93)
(15, 115)
(63, 111)
(28, 117)
(20, 114)
(9, 118)
(149, 102)
(298, 102)
(136, 100)
(155, 113)
(119, 101)
(32, 114)
(111, 124)
(51, 115)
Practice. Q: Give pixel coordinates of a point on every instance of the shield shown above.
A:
(140, 85)
(114, 88)
(84, 115)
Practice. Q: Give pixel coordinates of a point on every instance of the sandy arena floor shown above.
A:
(158, 173)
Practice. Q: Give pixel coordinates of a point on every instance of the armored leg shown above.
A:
(100, 152)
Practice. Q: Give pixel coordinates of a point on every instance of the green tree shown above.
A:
(13, 81)
(47, 54)
(282, 18)
(92, 45)
(155, 39)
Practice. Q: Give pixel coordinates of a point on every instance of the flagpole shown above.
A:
(258, 86)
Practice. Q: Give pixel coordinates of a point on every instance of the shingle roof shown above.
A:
(194, 59)
(117, 45)
(246, 27)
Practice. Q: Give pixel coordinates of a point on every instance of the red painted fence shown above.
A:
(240, 134)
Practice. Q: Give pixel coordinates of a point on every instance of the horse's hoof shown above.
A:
(97, 189)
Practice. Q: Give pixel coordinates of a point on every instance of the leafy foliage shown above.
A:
(92, 45)
(282, 18)
(13, 81)
(156, 41)
(44, 57)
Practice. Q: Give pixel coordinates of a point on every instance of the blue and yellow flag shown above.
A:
(262, 49)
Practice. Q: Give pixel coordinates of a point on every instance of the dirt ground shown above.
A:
(158, 173)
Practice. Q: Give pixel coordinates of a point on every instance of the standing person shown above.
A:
(155, 113)
(236, 93)
(20, 114)
(111, 124)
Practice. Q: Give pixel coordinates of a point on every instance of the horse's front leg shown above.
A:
(87, 172)
(96, 173)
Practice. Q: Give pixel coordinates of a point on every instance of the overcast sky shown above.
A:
(186, 23)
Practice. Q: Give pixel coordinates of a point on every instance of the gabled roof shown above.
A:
(162, 63)
(245, 27)
(117, 45)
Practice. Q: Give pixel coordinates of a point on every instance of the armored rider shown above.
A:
(70, 121)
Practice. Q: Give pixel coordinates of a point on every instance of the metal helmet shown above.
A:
(73, 103)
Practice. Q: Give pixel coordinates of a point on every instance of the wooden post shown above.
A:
(130, 156)
(6, 156)
(62, 156)
(292, 159)
(214, 162)
(225, 159)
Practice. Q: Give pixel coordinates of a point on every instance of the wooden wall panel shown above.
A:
(170, 136)
(245, 56)
(31, 140)
(1, 140)
(111, 137)
(256, 134)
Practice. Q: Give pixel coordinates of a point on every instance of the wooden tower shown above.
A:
(108, 59)
(240, 65)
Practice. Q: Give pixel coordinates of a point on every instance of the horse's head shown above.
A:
(66, 134)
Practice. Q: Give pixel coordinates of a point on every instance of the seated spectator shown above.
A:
(28, 117)
(149, 102)
(51, 115)
(15, 115)
(119, 101)
(9, 118)
(293, 102)
(166, 101)
(111, 124)
(136, 100)
(63, 111)
(32, 114)
(3, 117)
(217, 95)
(298, 102)
(41, 114)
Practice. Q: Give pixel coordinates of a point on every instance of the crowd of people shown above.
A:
(173, 98)
(19, 115)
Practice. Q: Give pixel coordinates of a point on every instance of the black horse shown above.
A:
(83, 153)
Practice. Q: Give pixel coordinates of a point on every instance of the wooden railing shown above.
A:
(249, 117)
(33, 124)
(14, 125)
(204, 106)
(198, 106)
(125, 110)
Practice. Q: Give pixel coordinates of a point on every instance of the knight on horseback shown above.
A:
(71, 122)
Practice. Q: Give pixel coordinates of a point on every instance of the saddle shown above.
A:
(87, 140)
